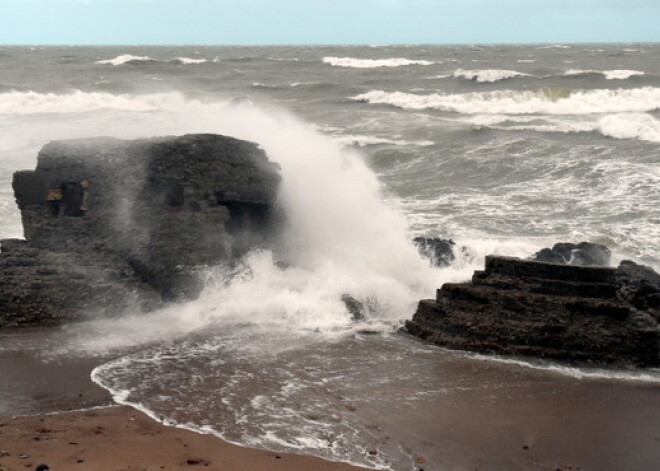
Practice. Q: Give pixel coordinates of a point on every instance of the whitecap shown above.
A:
(546, 101)
(124, 58)
(640, 126)
(190, 60)
(615, 74)
(372, 63)
(24, 103)
(488, 75)
(362, 141)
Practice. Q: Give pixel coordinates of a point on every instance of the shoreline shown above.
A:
(122, 438)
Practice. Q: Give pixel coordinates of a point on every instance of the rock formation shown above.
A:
(109, 222)
(440, 252)
(548, 310)
(584, 253)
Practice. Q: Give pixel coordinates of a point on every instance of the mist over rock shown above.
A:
(110, 220)
(566, 312)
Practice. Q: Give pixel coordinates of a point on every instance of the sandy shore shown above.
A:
(121, 438)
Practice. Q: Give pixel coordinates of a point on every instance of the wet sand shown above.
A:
(483, 416)
(34, 390)
(123, 439)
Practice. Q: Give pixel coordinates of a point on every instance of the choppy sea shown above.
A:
(504, 149)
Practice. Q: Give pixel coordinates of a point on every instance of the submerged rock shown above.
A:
(584, 253)
(108, 220)
(547, 310)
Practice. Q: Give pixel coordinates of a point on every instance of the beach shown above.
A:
(121, 439)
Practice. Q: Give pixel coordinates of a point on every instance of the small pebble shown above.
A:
(23, 456)
(4, 453)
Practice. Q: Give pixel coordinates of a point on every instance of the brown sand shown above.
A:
(121, 438)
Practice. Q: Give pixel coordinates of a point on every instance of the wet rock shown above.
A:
(546, 310)
(640, 286)
(439, 251)
(584, 253)
(128, 224)
(354, 307)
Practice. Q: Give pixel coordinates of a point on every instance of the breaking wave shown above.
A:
(329, 247)
(640, 126)
(545, 101)
(125, 59)
(24, 103)
(372, 63)
(362, 141)
(617, 74)
(130, 59)
(488, 75)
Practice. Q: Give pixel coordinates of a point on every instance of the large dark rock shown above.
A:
(546, 310)
(139, 215)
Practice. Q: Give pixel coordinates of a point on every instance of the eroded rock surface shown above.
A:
(547, 310)
(109, 221)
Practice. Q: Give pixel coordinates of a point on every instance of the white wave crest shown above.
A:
(372, 63)
(616, 74)
(631, 126)
(24, 103)
(488, 75)
(124, 58)
(545, 101)
(190, 60)
(555, 46)
(640, 126)
(362, 141)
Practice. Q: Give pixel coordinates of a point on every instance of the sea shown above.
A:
(503, 149)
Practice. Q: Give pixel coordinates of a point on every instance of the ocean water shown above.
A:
(505, 149)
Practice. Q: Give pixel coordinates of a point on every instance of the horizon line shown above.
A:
(567, 43)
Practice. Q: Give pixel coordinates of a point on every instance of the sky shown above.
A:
(255, 22)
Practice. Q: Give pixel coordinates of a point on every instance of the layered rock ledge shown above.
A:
(548, 310)
(114, 224)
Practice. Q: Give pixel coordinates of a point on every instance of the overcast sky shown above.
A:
(327, 21)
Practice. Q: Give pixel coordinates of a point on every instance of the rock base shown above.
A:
(545, 310)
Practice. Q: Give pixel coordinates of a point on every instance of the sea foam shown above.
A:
(372, 63)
